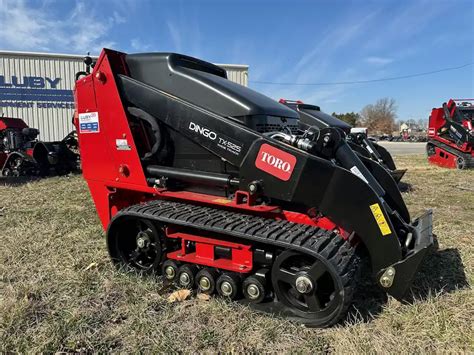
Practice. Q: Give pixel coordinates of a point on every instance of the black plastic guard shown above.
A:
(406, 269)
(386, 156)
(398, 174)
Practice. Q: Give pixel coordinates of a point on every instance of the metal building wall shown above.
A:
(237, 72)
(54, 123)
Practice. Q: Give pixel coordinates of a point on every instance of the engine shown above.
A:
(14, 139)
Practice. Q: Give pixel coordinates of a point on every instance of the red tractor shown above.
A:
(22, 154)
(201, 180)
(451, 135)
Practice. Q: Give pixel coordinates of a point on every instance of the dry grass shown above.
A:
(51, 301)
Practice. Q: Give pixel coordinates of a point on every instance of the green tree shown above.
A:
(351, 118)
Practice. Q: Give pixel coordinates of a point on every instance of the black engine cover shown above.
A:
(206, 85)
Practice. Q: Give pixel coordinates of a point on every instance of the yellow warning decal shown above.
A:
(380, 219)
(222, 200)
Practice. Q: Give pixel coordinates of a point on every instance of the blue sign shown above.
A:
(26, 91)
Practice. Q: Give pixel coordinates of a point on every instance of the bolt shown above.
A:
(387, 277)
(184, 279)
(226, 288)
(141, 242)
(385, 281)
(170, 272)
(253, 291)
(205, 283)
(253, 188)
(303, 284)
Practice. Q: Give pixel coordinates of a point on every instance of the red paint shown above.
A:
(443, 158)
(275, 162)
(285, 101)
(317, 221)
(203, 252)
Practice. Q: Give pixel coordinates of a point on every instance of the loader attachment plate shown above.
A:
(406, 269)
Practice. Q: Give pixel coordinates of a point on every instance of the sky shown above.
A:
(286, 42)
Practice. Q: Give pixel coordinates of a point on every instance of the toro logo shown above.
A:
(275, 162)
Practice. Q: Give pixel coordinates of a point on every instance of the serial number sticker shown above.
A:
(122, 144)
(89, 122)
(380, 219)
(222, 200)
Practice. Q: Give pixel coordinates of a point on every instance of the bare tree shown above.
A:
(380, 117)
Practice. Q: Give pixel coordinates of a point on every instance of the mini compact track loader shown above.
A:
(199, 179)
(22, 154)
(356, 136)
(451, 135)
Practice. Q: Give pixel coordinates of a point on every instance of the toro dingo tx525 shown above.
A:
(451, 135)
(193, 177)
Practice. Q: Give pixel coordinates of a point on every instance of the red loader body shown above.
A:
(451, 135)
(199, 179)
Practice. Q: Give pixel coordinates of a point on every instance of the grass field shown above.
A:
(59, 292)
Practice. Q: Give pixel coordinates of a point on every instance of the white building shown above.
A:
(37, 87)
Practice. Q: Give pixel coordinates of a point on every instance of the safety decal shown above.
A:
(358, 173)
(275, 162)
(380, 219)
(89, 122)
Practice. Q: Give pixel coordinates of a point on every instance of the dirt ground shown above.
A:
(59, 292)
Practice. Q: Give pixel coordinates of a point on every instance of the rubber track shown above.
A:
(305, 239)
(467, 157)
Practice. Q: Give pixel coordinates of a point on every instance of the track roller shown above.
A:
(206, 281)
(460, 163)
(254, 288)
(169, 270)
(186, 275)
(228, 285)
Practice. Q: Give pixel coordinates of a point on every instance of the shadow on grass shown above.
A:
(441, 272)
(17, 180)
(21, 180)
(405, 187)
